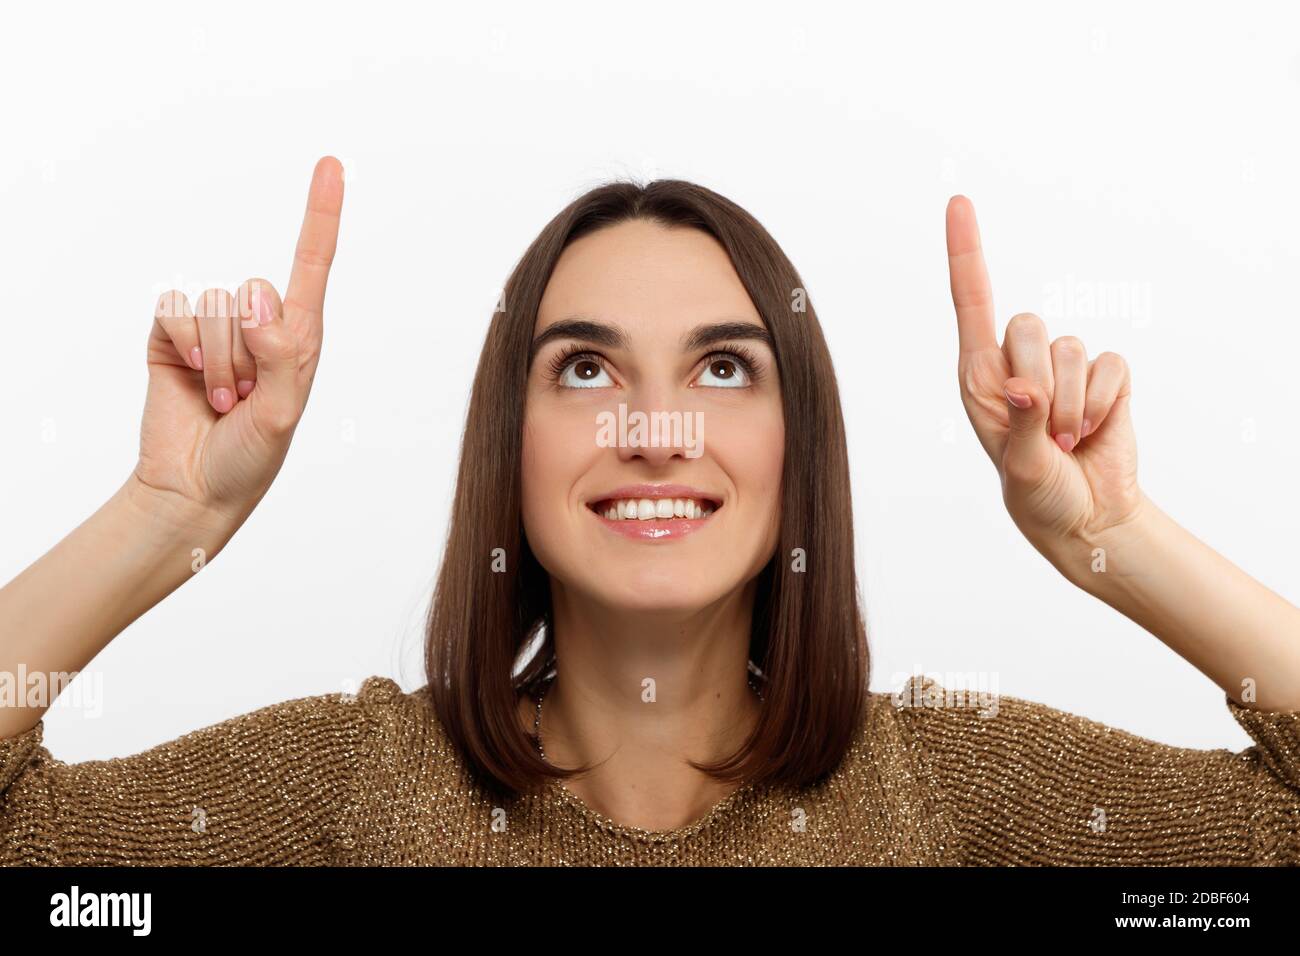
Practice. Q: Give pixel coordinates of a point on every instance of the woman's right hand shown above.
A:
(229, 377)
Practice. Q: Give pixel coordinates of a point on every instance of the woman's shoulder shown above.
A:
(880, 737)
(348, 709)
(382, 699)
(399, 741)
(919, 725)
(962, 718)
(921, 712)
(355, 702)
(966, 713)
(404, 723)
(374, 711)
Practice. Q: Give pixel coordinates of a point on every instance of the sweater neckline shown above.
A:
(725, 807)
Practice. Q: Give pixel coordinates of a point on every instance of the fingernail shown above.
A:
(243, 387)
(1066, 441)
(196, 358)
(1017, 399)
(222, 400)
(1087, 429)
(262, 308)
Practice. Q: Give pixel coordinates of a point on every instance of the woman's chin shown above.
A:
(652, 594)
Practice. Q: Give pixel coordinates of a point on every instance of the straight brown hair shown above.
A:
(808, 637)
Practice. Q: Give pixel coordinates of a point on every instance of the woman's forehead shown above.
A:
(644, 278)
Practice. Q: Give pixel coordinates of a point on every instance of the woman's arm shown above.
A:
(228, 381)
(125, 558)
(1233, 629)
(1058, 429)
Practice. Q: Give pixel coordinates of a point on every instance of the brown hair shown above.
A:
(808, 637)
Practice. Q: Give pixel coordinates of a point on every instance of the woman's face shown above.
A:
(669, 333)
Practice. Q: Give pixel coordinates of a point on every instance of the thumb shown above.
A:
(1027, 457)
(274, 402)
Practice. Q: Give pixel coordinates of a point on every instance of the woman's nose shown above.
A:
(656, 429)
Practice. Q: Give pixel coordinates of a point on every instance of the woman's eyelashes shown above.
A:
(733, 367)
(730, 369)
(576, 367)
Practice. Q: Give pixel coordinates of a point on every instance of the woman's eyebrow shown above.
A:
(613, 336)
(584, 330)
(702, 336)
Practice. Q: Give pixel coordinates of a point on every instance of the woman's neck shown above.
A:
(640, 695)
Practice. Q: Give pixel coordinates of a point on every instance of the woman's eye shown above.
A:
(724, 373)
(585, 373)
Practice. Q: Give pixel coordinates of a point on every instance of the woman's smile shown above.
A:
(649, 512)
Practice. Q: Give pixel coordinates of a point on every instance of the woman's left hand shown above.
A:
(1055, 424)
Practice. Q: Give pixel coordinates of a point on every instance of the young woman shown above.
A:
(671, 612)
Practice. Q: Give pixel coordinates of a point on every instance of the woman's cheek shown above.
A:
(766, 463)
(556, 453)
(751, 450)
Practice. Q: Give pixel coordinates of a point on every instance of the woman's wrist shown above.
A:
(168, 516)
(1112, 563)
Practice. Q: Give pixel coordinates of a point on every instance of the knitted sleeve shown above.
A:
(277, 786)
(1025, 784)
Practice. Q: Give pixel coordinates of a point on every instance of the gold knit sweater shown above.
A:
(371, 779)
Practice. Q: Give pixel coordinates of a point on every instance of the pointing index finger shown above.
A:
(972, 295)
(317, 240)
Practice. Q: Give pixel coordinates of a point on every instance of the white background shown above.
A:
(1148, 153)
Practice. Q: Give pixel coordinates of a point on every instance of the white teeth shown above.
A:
(644, 509)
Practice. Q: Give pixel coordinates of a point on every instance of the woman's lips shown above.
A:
(652, 529)
(662, 512)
